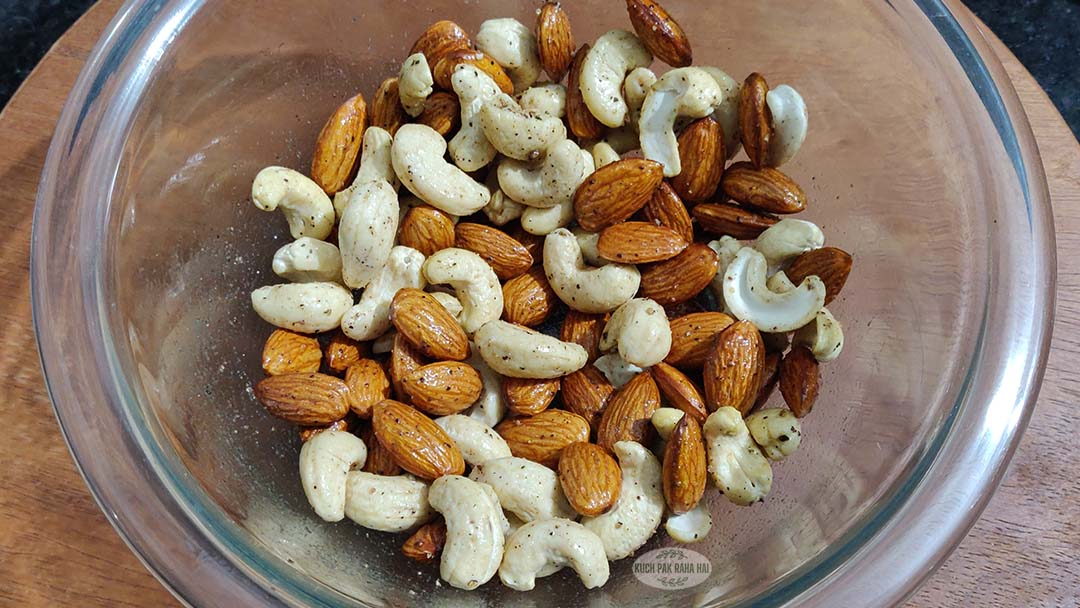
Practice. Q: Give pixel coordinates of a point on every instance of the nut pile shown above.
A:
(474, 206)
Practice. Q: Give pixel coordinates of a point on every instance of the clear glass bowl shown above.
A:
(919, 161)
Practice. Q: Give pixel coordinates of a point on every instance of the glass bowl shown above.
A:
(919, 160)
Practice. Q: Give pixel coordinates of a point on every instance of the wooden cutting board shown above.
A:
(58, 550)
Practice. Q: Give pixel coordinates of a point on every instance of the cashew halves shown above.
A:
(687, 92)
(520, 352)
(525, 488)
(727, 112)
(592, 290)
(513, 46)
(749, 299)
(548, 99)
(415, 84)
(388, 503)
(470, 148)
(603, 154)
(519, 133)
(308, 260)
(548, 183)
(690, 527)
(736, 463)
(474, 530)
(787, 239)
(367, 231)
(475, 285)
(418, 162)
(477, 441)
(823, 336)
(305, 307)
(636, 88)
(370, 317)
(449, 302)
(590, 247)
(489, 408)
(325, 462)
(542, 548)
(665, 419)
(789, 122)
(776, 431)
(617, 370)
(640, 330)
(375, 164)
(501, 209)
(610, 59)
(307, 208)
(636, 515)
(726, 248)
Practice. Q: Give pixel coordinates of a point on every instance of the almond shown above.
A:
(733, 368)
(529, 396)
(701, 149)
(417, 444)
(426, 229)
(404, 359)
(829, 264)
(288, 352)
(580, 120)
(337, 149)
(541, 438)
(586, 393)
(507, 257)
(628, 415)
(426, 543)
(419, 317)
(616, 191)
(445, 67)
(590, 478)
(639, 242)
(665, 208)
(799, 380)
(307, 432)
(755, 119)
(307, 399)
(442, 112)
(683, 472)
(679, 391)
(554, 40)
(692, 337)
(528, 299)
(660, 33)
(682, 277)
(770, 375)
(368, 385)
(379, 460)
(439, 40)
(585, 329)
(443, 388)
(732, 220)
(342, 351)
(767, 189)
(386, 111)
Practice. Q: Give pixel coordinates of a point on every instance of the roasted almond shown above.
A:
(306, 399)
(420, 317)
(342, 351)
(443, 388)
(829, 264)
(445, 67)
(616, 191)
(767, 189)
(586, 393)
(554, 40)
(529, 396)
(337, 149)
(307, 432)
(679, 391)
(799, 380)
(426, 543)
(639, 242)
(683, 472)
(541, 438)
(367, 384)
(660, 33)
(417, 444)
(732, 220)
(379, 460)
(701, 150)
(528, 299)
(507, 257)
(404, 359)
(585, 329)
(732, 371)
(440, 39)
(692, 337)
(442, 112)
(426, 229)
(591, 479)
(755, 119)
(288, 352)
(665, 208)
(578, 116)
(386, 111)
(770, 375)
(628, 415)
(682, 277)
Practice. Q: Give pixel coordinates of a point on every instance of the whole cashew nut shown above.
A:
(375, 165)
(787, 239)
(325, 462)
(307, 208)
(518, 133)
(776, 431)
(636, 88)
(749, 298)
(370, 317)
(470, 148)
(308, 260)
(727, 112)
(546, 184)
(585, 289)
(520, 352)
(525, 488)
(477, 441)
(636, 515)
(603, 154)
(610, 59)
(388, 503)
(688, 92)
(617, 370)
(417, 155)
(475, 285)
(690, 527)
(489, 408)
(736, 463)
(367, 231)
(547, 99)
(304, 307)
(542, 548)
(541, 222)
(513, 46)
(474, 530)
(823, 336)
(789, 121)
(415, 84)
(640, 330)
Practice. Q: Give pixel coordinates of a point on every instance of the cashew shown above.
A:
(304, 307)
(776, 431)
(690, 527)
(375, 164)
(665, 419)
(640, 330)
(418, 161)
(501, 209)
(548, 183)
(542, 548)
(477, 441)
(535, 220)
(636, 88)
(474, 530)
(325, 462)
(823, 336)
(384, 343)
(367, 231)
(307, 208)
(449, 302)
(308, 260)
(518, 133)
(489, 408)
(547, 99)
(520, 352)
(749, 299)
(415, 84)
(787, 239)
(789, 122)
(617, 370)
(727, 112)
(623, 140)
(469, 148)
(610, 59)
(585, 289)
(726, 248)
(513, 45)
(736, 463)
(603, 154)
(474, 283)
(388, 503)
(589, 241)
(636, 515)
(370, 317)
(525, 488)
(688, 92)
(514, 524)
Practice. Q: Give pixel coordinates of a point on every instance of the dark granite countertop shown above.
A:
(1044, 35)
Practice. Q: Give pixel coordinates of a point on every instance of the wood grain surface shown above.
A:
(58, 550)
